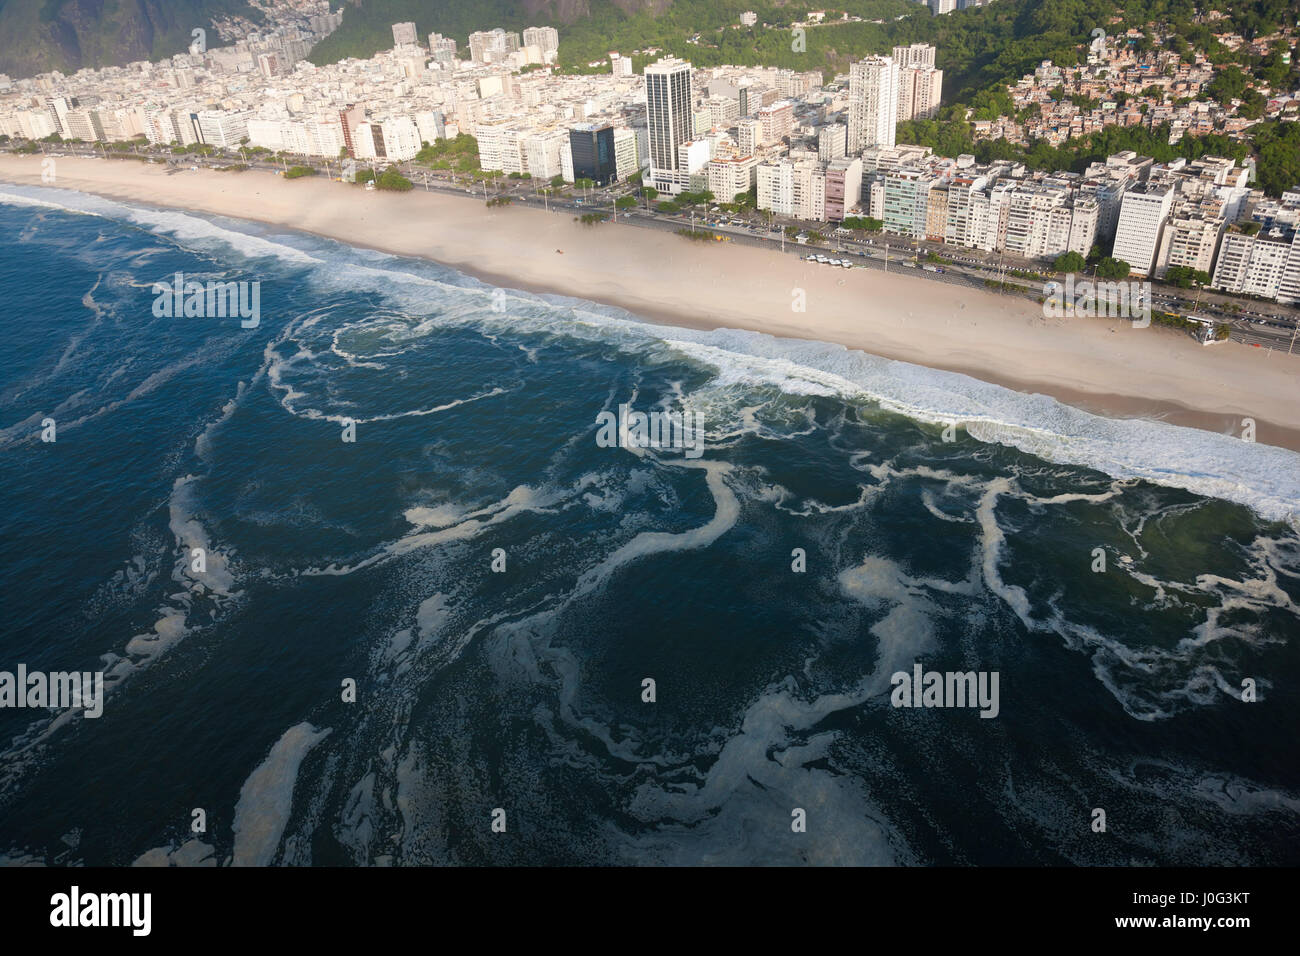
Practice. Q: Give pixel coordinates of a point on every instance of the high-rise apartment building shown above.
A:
(439, 43)
(547, 39)
(1264, 263)
(625, 153)
(777, 121)
(831, 141)
(492, 46)
(404, 34)
(1141, 223)
(669, 116)
(843, 186)
(1189, 242)
(918, 56)
(731, 176)
(873, 103)
(749, 136)
(919, 91)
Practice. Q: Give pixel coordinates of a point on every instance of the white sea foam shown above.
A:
(1262, 477)
(266, 798)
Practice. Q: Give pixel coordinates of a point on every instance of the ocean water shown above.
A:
(516, 695)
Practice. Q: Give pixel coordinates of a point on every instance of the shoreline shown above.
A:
(1098, 365)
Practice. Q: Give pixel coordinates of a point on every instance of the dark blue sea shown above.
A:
(498, 587)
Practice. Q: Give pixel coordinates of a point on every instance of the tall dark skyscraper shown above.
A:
(593, 153)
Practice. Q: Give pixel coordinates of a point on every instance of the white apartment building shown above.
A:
(1263, 264)
(959, 229)
(873, 103)
(404, 34)
(723, 110)
(543, 152)
(1083, 224)
(919, 56)
(492, 46)
(499, 147)
(749, 136)
(831, 141)
(777, 121)
(222, 129)
(431, 125)
(794, 189)
(1190, 242)
(731, 177)
(1038, 222)
(83, 125)
(625, 153)
(546, 39)
(919, 92)
(401, 138)
(692, 158)
(1141, 223)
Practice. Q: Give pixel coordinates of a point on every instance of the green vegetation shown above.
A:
(1069, 262)
(1185, 277)
(459, 155)
(697, 235)
(863, 224)
(1110, 268)
(1171, 320)
(393, 180)
(591, 218)
(500, 201)
(624, 202)
(41, 35)
(297, 172)
(701, 198)
(742, 202)
(589, 31)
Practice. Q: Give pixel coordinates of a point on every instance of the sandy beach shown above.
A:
(1104, 366)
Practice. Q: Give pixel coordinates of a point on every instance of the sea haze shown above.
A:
(522, 690)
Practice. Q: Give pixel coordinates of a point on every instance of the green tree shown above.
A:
(1069, 262)
(1110, 268)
